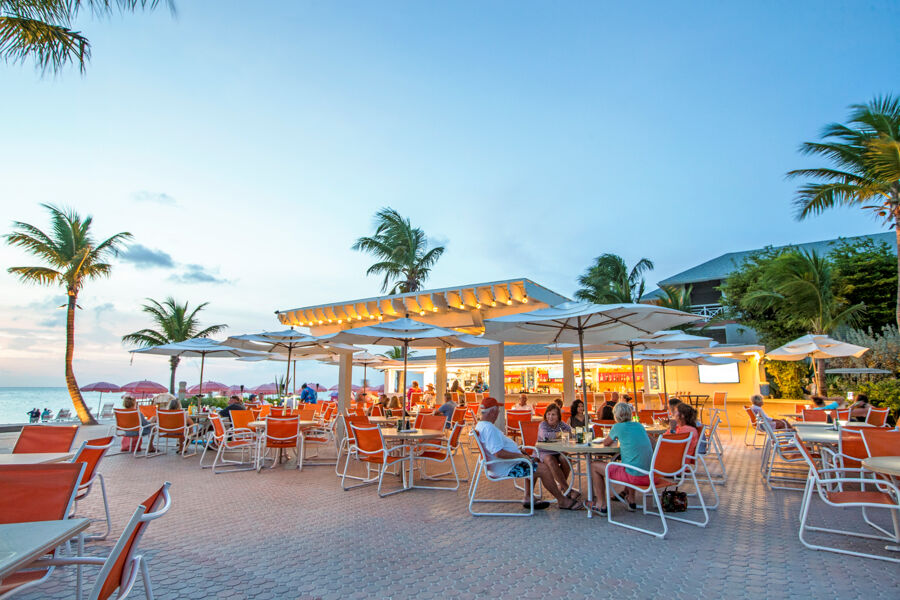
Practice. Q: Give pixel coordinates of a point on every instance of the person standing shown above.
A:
(480, 386)
(307, 394)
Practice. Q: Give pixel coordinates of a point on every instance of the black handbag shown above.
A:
(674, 501)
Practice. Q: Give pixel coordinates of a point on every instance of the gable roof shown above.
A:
(724, 265)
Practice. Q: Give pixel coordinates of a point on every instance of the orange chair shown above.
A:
(228, 440)
(240, 421)
(148, 410)
(529, 432)
(437, 422)
(799, 408)
(264, 411)
(459, 416)
(173, 425)
(645, 417)
(540, 409)
(877, 416)
(440, 450)
(45, 438)
(639, 400)
(881, 442)
(471, 398)
(371, 450)
(348, 444)
(276, 411)
(842, 414)
(128, 426)
(754, 425)
(281, 434)
(307, 414)
(815, 415)
(90, 454)
(457, 397)
(513, 418)
(377, 411)
(43, 492)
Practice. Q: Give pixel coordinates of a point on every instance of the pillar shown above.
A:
(496, 380)
(568, 357)
(440, 383)
(345, 391)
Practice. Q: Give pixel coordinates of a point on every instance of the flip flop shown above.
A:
(574, 506)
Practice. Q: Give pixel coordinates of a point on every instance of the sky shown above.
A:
(247, 150)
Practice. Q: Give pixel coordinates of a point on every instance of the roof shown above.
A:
(463, 306)
(722, 266)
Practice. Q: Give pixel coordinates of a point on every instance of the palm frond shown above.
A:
(38, 275)
(52, 47)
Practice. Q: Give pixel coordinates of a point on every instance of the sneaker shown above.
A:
(538, 505)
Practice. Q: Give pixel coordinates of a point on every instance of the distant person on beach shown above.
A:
(46, 415)
(34, 415)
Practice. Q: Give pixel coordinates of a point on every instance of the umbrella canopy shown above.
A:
(208, 386)
(236, 390)
(101, 386)
(319, 388)
(144, 387)
(585, 323)
(815, 346)
(266, 389)
(366, 359)
(406, 332)
(673, 358)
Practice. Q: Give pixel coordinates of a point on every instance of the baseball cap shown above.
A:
(489, 402)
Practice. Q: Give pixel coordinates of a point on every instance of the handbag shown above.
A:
(674, 501)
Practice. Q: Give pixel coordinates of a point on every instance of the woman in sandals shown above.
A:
(550, 429)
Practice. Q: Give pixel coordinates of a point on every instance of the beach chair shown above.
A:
(107, 411)
(64, 414)
(45, 438)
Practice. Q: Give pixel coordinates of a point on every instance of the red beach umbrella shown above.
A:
(101, 386)
(265, 389)
(235, 390)
(208, 386)
(144, 387)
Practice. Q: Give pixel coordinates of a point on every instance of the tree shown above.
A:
(72, 257)
(608, 280)
(864, 171)
(175, 323)
(799, 285)
(41, 29)
(676, 297)
(402, 252)
(865, 272)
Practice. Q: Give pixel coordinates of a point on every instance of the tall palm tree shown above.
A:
(72, 257)
(608, 280)
(175, 323)
(800, 285)
(865, 167)
(41, 29)
(402, 252)
(675, 297)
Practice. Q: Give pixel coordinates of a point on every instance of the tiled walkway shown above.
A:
(284, 534)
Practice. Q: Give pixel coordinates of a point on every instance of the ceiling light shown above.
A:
(478, 306)
(508, 302)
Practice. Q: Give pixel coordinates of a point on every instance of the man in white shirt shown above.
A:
(498, 446)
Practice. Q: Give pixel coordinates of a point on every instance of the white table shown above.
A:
(23, 543)
(586, 450)
(35, 458)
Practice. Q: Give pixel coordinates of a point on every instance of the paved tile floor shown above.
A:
(284, 534)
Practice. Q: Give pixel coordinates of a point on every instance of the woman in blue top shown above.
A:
(819, 401)
(635, 449)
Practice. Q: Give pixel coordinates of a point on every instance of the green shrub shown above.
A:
(884, 393)
(788, 378)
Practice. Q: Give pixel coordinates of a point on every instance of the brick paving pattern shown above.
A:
(297, 535)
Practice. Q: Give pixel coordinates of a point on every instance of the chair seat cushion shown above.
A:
(379, 459)
(433, 455)
(11, 582)
(863, 497)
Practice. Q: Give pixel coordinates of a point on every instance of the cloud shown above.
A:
(155, 197)
(198, 274)
(143, 257)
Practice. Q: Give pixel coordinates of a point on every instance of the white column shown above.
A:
(345, 392)
(440, 384)
(496, 380)
(568, 357)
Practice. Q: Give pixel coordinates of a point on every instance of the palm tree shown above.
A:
(801, 285)
(675, 297)
(865, 167)
(41, 29)
(402, 252)
(72, 257)
(608, 280)
(175, 323)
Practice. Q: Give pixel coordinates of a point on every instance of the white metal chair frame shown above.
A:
(84, 488)
(229, 441)
(679, 476)
(385, 452)
(755, 427)
(882, 414)
(322, 436)
(575, 470)
(482, 467)
(262, 451)
(448, 451)
(119, 432)
(780, 447)
(190, 432)
(714, 449)
(699, 459)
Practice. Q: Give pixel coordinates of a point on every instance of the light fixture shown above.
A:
(310, 323)
(434, 309)
(524, 299)
(478, 305)
(722, 354)
(331, 320)
(320, 322)
(381, 317)
(339, 321)
(509, 302)
(421, 313)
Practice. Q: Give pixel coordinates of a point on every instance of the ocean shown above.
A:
(16, 401)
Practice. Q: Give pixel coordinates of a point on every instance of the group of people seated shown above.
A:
(859, 410)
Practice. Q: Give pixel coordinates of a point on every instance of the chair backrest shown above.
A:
(330, 411)
(751, 415)
(645, 417)
(432, 421)
(720, 399)
(171, 421)
(107, 410)
(119, 570)
(45, 438)
(852, 447)
(218, 428)
(90, 454)
(529, 432)
(540, 409)
(418, 421)
(459, 414)
(470, 397)
(453, 442)
(660, 415)
(377, 411)
(671, 452)
(814, 415)
(843, 414)
(881, 442)
(798, 408)
(127, 419)
(877, 416)
(42, 492)
(597, 429)
(148, 410)
(514, 418)
(240, 419)
(368, 439)
(663, 401)
(360, 409)
(307, 414)
(354, 420)
(264, 411)
(282, 430)
(276, 411)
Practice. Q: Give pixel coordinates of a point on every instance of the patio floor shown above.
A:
(284, 534)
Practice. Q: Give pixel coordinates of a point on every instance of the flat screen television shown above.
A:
(719, 373)
(555, 372)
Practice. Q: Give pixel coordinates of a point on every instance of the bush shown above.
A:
(788, 377)
(884, 393)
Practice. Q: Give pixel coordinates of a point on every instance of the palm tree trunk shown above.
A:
(173, 364)
(821, 388)
(81, 409)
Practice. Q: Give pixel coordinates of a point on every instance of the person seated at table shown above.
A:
(412, 389)
(577, 417)
(606, 411)
(558, 402)
(672, 409)
(175, 404)
(128, 445)
(550, 429)
(686, 422)
(756, 407)
(430, 396)
(446, 409)
(498, 446)
(394, 403)
(522, 405)
(820, 403)
(234, 403)
(860, 409)
(635, 450)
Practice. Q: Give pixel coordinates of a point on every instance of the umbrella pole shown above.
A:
(295, 377)
(587, 412)
(200, 396)
(287, 376)
(100, 402)
(405, 353)
(662, 365)
(633, 377)
(364, 378)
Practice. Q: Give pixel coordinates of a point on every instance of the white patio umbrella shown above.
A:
(366, 359)
(584, 323)
(285, 342)
(816, 346)
(196, 347)
(673, 358)
(406, 332)
(320, 351)
(667, 338)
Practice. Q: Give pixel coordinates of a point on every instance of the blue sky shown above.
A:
(247, 150)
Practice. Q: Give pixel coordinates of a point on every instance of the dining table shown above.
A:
(35, 458)
(260, 426)
(696, 400)
(569, 448)
(23, 543)
(408, 438)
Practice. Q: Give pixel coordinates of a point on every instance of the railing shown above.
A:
(707, 310)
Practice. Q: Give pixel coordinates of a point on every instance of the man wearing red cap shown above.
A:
(500, 447)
